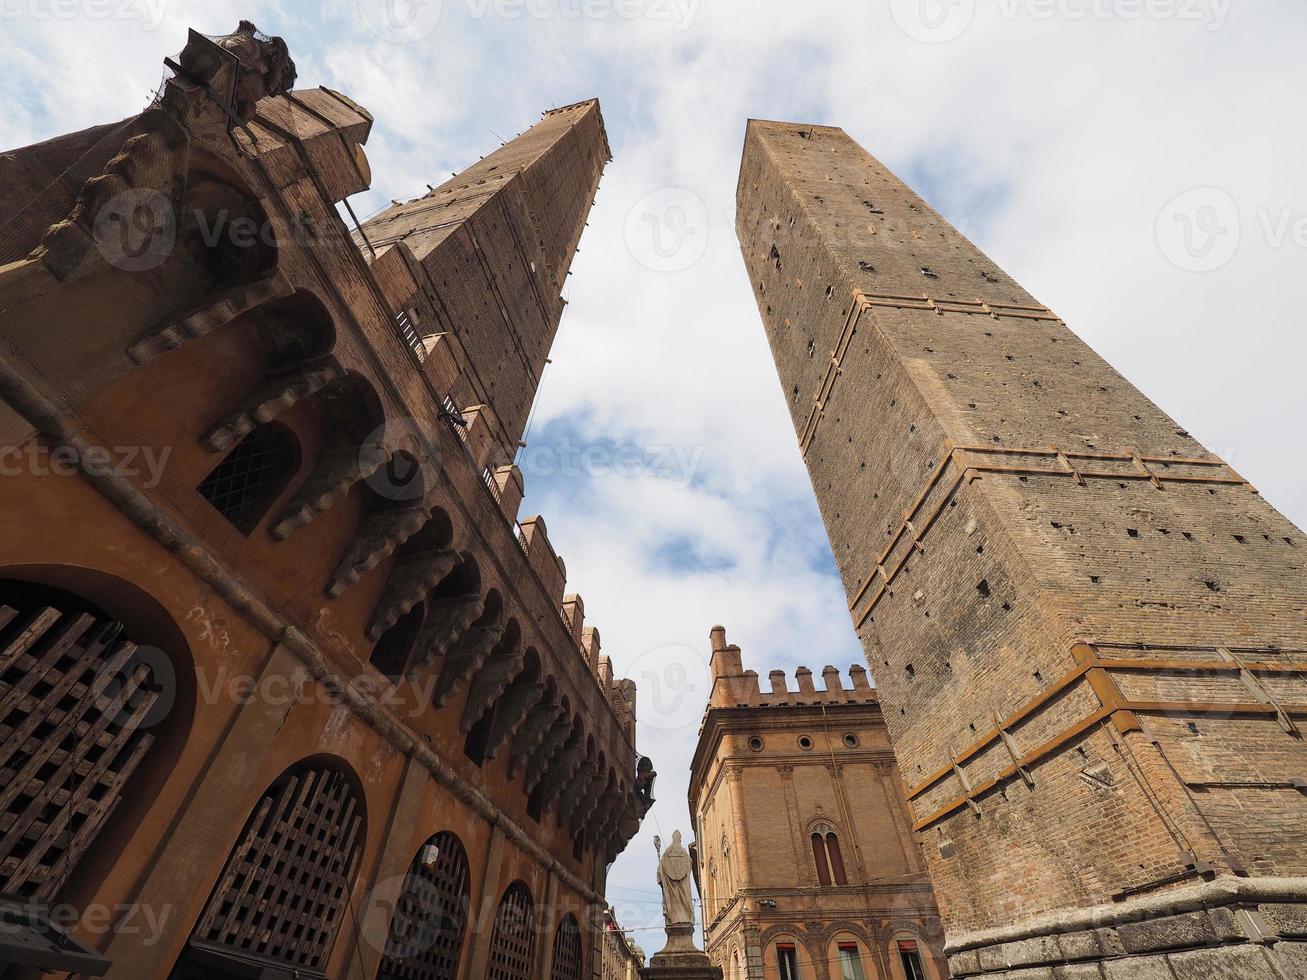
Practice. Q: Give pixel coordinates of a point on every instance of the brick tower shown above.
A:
(808, 867)
(285, 688)
(1087, 632)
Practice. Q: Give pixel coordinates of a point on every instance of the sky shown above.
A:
(1136, 164)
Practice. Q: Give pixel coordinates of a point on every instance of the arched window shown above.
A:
(567, 951)
(849, 960)
(76, 696)
(787, 960)
(828, 857)
(282, 895)
(392, 651)
(512, 944)
(426, 933)
(248, 480)
(908, 953)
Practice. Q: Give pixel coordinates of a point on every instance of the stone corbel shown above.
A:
(467, 657)
(520, 698)
(489, 683)
(447, 621)
(588, 799)
(408, 584)
(571, 790)
(381, 533)
(334, 474)
(231, 303)
(273, 396)
(561, 773)
(542, 759)
(531, 734)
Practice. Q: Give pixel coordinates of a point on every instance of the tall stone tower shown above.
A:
(286, 689)
(1087, 632)
(808, 867)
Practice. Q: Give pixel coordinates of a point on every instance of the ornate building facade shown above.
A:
(807, 865)
(621, 959)
(1086, 630)
(285, 688)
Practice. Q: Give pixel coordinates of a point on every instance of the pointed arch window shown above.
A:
(827, 856)
(250, 478)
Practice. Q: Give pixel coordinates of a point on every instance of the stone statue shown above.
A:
(679, 959)
(674, 878)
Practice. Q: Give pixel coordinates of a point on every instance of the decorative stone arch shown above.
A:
(541, 758)
(518, 700)
(533, 731)
(349, 412)
(458, 614)
(904, 936)
(423, 560)
(850, 932)
(427, 932)
(512, 941)
(823, 837)
(97, 697)
(296, 335)
(778, 936)
(283, 893)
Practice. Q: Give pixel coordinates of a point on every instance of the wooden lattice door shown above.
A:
(426, 933)
(512, 943)
(283, 893)
(567, 951)
(74, 694)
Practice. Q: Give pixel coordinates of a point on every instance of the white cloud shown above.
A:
(1055, 142)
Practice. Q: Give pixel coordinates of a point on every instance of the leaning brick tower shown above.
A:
(1087, 631)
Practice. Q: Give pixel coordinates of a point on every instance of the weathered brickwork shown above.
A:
(774, 767)
(1087, 632)
(280, 671)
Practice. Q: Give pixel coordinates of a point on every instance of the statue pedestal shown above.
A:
(679, 960)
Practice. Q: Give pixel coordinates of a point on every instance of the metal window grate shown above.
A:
(513, 941)
(408, 333)
(567, 951)
(73, 697)
(283, 892)
(243, 486)
(426, 933)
